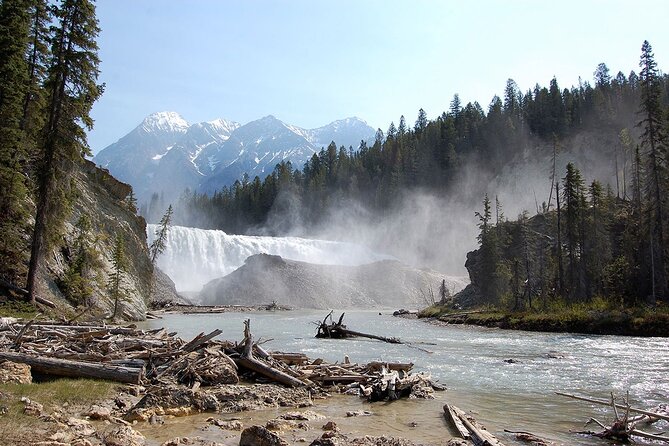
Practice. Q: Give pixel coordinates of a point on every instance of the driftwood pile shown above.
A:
(122, 354)
(376, 380)
(130, 355)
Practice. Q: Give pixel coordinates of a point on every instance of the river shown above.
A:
(471, 362)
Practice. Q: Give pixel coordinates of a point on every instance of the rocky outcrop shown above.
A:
(266, 278)
(103, 199)
(164, 293)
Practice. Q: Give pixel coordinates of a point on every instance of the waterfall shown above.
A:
(193, 257)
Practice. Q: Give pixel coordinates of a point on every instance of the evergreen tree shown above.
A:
(490, 255)
(444, 293)
(596, 251)
(71, 90)
(14, 33)
(84, 260)
(421, 122)
(402, 128)
(654, 142)
(392, 131)
(158, 245)
(119, 267)
(131, 202)
(511, 103)
(456, 106)
(574, 208)
(602, 76)
(38, 55)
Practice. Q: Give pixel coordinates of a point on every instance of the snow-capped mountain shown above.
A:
(160, 154)
(257, 147)
(166, 155)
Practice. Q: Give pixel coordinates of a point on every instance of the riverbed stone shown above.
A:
(338, 439)
(163, 400)
(307, 415)
(358, 413)
(228, 425)
(81, 428)
(124, 436)
(281, 425)
(32, 407)
(99, 413)
(330, 426)
(190, 441)
(260, 436)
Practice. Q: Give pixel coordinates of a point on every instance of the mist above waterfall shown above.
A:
(193, 257)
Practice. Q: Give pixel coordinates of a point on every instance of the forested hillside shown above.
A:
(431, 155)
(592, 240)
(611, 235)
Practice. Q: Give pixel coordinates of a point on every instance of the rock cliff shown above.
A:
(103, 199)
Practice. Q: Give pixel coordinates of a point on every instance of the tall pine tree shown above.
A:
(71, 90)
(14, 34)
(653, 142)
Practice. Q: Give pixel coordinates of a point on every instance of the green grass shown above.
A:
(18, 309)
(63, 390)
(598, 315)
(19, 428)
(432, 311)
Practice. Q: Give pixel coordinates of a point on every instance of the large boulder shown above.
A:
(163, 291)
(260, 436)
(267, 278)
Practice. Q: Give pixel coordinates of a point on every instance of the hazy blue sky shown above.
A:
(309, 62)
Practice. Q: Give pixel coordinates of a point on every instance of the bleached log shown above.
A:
(77, 369)
(263, 369)
(462, 430)
(619, 406)
(377, 365)
(478, 434)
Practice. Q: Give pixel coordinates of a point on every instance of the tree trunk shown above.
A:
(77, 369)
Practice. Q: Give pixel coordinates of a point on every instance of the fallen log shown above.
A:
(263, 369)
(623, 427)
(377, 365)
(289, 358)
(348, 333)
(462, 430)
(77, 369)
(23, 292)
(478, 434)
(249, 362)
(338, 330)
(619, 406)
(200, 339)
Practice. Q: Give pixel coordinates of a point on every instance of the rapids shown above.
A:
(470, 361)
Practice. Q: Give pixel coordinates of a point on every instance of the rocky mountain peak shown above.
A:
(165, 121)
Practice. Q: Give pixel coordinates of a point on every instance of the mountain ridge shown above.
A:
(165, 154)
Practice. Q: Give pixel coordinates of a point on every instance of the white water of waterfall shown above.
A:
(193, 257)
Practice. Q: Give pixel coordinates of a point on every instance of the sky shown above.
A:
(310, 62)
